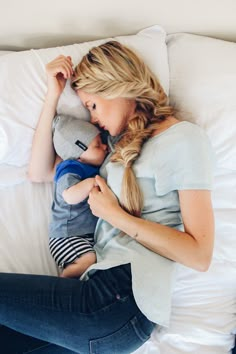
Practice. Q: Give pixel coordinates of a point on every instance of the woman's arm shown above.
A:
(192, 248)
(43, 158)
(79, 191)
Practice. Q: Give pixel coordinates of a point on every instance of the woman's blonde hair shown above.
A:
(112, 70)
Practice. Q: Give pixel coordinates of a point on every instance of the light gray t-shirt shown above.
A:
(179, 158)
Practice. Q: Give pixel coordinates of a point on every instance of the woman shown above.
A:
(155, 210)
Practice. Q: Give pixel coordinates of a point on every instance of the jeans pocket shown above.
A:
(126, 340)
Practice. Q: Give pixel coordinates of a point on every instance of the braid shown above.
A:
(127, 150)
(112, 70)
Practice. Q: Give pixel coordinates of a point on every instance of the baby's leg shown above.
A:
(78, 267)
(74, 254)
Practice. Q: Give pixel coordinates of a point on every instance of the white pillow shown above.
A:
(4, 52)
(203, 89)
(23, 87)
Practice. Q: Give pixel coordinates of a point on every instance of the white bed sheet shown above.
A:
(10, 175)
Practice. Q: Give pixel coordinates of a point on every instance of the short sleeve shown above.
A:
(66, 181)
(187, 161)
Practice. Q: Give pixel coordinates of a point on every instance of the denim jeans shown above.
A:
(98, 316)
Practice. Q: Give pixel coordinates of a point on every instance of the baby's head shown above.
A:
(76, 139)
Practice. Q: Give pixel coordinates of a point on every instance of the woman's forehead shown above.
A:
(85, 97)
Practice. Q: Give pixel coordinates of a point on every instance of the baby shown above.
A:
(72, 225)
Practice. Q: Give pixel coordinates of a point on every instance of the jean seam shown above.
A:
(94, 343)
(107, 307)
(40, 347)
(138, 330)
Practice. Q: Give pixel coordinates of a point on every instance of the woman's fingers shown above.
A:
(101, 199)
(101, 183)
(63, 68)
(60, 65)
(95, 189)
(58, 71)
(66, 64)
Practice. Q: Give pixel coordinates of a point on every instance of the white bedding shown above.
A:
(204, 304)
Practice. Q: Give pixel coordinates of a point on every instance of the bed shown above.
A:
(193, 52)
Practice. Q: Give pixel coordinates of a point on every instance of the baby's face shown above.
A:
(96, 152)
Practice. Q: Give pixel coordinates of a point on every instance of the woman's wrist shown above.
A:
(49, 108)
(51, 99)
(122, 220)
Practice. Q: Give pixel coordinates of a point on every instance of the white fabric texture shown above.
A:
(23, 88)
(4, 52)
(203, 89)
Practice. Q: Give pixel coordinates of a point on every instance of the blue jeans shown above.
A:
(98, 316)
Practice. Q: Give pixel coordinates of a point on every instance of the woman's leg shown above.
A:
(95, 316)
(13, 342)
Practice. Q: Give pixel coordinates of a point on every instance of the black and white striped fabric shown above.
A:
(66, 250)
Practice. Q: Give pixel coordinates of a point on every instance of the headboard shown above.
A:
(29, 24)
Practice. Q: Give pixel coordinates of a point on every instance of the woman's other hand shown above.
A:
(58, 71)
(102, 201)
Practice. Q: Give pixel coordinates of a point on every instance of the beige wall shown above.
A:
(44, 23)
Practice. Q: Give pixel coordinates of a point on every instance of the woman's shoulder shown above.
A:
(180, 141)
(183, 157)
(181, 132)
(174, 125)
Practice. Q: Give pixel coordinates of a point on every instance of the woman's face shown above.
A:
(111, 115)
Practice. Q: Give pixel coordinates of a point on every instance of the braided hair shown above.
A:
(112, 70)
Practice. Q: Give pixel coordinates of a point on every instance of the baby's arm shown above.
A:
(79, 191)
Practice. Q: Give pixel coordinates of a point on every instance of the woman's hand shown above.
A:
(102, 201)
(58, 71)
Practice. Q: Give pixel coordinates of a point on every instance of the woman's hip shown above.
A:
(95, 316)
